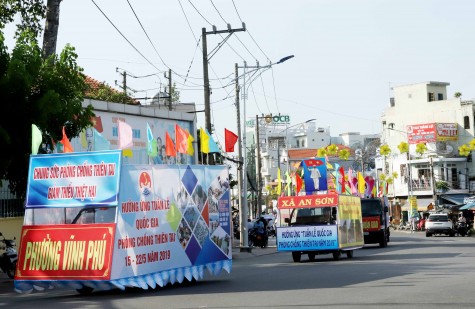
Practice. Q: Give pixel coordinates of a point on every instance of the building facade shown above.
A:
(424, 113)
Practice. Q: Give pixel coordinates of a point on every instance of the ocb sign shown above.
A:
(277, 119)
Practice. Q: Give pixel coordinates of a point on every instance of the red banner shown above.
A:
(421, 133)
(371, 224)
(307, 201)
(66, 252)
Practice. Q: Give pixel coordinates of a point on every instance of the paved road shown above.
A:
(413, 272)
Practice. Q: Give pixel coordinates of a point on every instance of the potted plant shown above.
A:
(441, 186)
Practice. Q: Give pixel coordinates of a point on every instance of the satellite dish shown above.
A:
(442, 148)
(448, 149)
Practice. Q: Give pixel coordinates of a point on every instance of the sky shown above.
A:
(348, 53)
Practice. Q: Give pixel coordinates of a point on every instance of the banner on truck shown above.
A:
(73, 180)
(171, 216)
(66, 252)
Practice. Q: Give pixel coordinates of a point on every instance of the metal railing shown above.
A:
(10, 205)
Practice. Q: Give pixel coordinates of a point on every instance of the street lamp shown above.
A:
(243, 208)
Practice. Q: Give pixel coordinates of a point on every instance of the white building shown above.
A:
(423, 112)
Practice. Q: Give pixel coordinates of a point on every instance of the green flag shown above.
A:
(36, 139)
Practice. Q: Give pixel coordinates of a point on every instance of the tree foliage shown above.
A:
(31, 12)
(47, 93)
(104, 92)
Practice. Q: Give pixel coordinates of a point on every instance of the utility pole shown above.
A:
(258, 169)
(50, 36)
(243, 239)
(206, 59)
(124, 82)
(169, 77)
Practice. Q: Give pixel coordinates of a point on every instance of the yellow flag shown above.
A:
(127, 153)
(361, 183)
(204, 141)
(190, 150)
(82, 134)
(279, 182)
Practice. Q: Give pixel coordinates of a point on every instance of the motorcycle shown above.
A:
(236, 229)
(461, 228)
(258, 237)
(9, 258)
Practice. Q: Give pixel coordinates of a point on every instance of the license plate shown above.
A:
(366, 233)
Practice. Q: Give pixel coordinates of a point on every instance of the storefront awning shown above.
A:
(468, 206)
(457, 199)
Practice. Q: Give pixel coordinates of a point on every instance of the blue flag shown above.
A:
(100, 143)
(213, 147)
(151, 143)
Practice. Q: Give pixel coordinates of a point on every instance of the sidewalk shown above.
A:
(255, 251)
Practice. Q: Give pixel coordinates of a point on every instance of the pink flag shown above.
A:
(125, 135)
(353, 181)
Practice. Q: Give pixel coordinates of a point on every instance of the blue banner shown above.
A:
(303, 238)
(74, 179)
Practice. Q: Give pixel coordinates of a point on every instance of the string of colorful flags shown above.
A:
(181, 143)
(311, 175)
(317, 174)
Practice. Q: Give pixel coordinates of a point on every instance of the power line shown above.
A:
(235, 8)
(130, 5)
(236, 36)
(124, 36)
(275, 93)
(263, 90)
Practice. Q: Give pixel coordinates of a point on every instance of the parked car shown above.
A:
(439, 224)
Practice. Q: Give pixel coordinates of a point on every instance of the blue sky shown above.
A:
(348, 53)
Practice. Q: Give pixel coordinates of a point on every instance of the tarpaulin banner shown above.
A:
(74, 179)
(66, 252)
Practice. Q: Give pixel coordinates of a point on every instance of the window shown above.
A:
(466, 122)
(303, 143)
(298, 143)
(430, 97)
(440, 96)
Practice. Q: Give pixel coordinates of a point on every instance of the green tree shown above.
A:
(47, 93)
(31, 12)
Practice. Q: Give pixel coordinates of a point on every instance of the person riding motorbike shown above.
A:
(461, 226)
(258, 235)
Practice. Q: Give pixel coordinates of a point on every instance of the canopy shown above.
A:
(468, 206)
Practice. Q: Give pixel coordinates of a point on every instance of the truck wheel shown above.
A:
(383, 243)
(296, 256)
(336, 255)
(349, 254)
(11, 273)
(311, 257)
(85, 290)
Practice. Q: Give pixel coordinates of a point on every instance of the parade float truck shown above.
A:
(375, 221)
(320, 224)
(92, 222)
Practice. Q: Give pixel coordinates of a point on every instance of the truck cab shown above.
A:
(375, 221)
